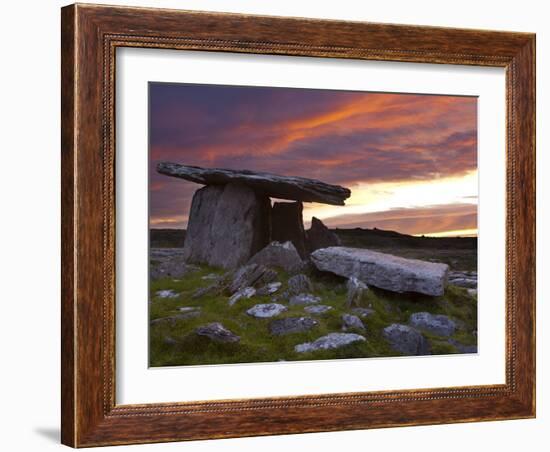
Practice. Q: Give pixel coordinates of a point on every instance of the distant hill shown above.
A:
(378, 238)
(166, 238)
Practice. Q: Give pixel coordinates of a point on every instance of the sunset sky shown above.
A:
(409, 160)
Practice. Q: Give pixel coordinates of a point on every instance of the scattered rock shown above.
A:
(269, 289)
(189, 308)
(251, 275)
(350, 322)
(210, 277)
(406, 340)
(276, 254)
(168, 293)
(170, 341)
(227, 225)
(247, 292)
(467, 280)
(330, 341)
(363, 312)
(217, 332)
(304, 299)
(299, 284)
(267, 310)
(317, 309)
(319, 236)
(472, 292)
(440, 325)
(384, 271)
(356, 289)
(287, 225)
(212, 289)
(172, 319)
(291, 325)
(273, 185)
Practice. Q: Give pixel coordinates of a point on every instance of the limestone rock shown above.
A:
(330, 341)
(269, 289)
(350, 322)
(356, 289)
(217, 332)
(273, 185)
(440, 325)
(406, 340)
(363, 312)
(247, 292)
(317, 309)
(282, 255)
(227, 225)
(291, 325)
(251, 275)
(299, 284)
(169, 263)
(287, 225)
(266, 310)
(467, 280)
(384, 271)
(304, 299)
(319, 236)
(168, 293)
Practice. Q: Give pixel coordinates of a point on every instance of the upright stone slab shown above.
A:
(319, 236)
(287, 225)
(384, 271)
(227, 225)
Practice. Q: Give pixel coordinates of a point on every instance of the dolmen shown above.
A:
(232, 222)
(232, 217)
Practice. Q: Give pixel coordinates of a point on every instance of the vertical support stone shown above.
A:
(287, 225)
(227, 225)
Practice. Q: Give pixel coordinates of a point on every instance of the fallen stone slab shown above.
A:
(299, 284)
(290, 325)
(440, 325)
(227, 225)
(328, 342)
(406, 340)
(281, 255)
(287, 225)
(217, 332)
(317, 309)
(273, 185)
(351, 322)
(319, 236)
(266, 310)
(384, 271)
(304, 299)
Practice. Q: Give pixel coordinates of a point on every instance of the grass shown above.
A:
(175, 343)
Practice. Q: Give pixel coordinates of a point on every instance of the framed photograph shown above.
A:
(281, 225)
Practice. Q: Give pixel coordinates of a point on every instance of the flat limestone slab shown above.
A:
(384, 271)
(273, 185)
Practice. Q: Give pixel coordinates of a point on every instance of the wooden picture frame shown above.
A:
(90, 36)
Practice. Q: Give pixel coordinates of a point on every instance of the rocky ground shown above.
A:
(288, 311)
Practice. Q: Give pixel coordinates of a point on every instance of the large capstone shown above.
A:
(319, 236)
(287, 225)
(384, 271)
(272, 185)
(227, 225)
